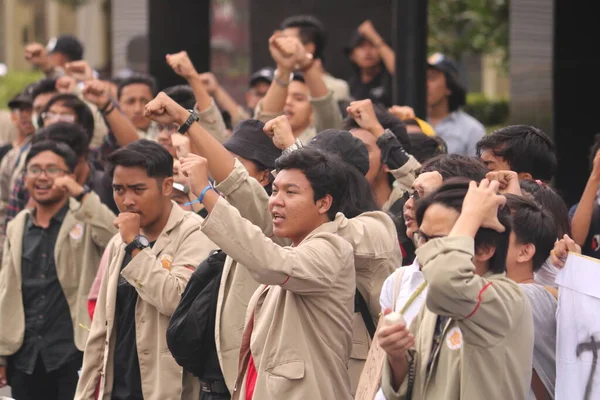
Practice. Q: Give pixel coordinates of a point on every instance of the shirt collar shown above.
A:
(56, 218)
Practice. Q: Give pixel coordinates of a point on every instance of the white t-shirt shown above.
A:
(411, 280)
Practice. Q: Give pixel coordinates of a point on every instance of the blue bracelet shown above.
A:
(199, 199)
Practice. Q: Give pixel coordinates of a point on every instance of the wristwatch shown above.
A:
(140, 242)
(191, 119)
(86, 190)
(296, 146)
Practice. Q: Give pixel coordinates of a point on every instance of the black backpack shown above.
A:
(191, 331)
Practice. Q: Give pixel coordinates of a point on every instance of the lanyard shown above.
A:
(412, 298)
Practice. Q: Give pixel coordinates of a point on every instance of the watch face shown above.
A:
(143, 240)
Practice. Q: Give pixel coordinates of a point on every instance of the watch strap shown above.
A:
(191, 119)
(135, 244)
(296, 146)
(86, 190)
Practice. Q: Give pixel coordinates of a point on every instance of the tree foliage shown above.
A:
(460, 27)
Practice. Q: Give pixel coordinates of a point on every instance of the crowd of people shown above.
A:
(179, 245)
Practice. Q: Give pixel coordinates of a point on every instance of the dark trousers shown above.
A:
(59, 384)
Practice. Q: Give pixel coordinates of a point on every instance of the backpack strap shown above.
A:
(361, 305)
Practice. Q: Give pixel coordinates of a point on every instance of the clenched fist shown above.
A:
(280, 130)
(284, 51)
(36, 54)
(182, 65)
(66, 84)
(69, 185)
(128, 225)
(165, 110)
(363, 113)
(80, 70)
(97, 92)
(196, 169)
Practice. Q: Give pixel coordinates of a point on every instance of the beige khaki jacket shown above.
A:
(160, 275)
(376, 255)
(86, 230)
(299, 321)
(487, 346)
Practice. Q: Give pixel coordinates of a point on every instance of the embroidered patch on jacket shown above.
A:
(166, 260)
(454, 339)
(77, 231)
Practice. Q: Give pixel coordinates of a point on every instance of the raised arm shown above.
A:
(486, 309)
(210, 116)
(97, 93)
(387, 55)
(223, 99)
(580, 224)
(310, 268)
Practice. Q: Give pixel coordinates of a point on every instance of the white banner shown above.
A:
(578, 330)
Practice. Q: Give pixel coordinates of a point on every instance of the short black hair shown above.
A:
(550, 201)
(455, 165)
(311, 30)
(145, 154)
(43, 86)
(329, 174)
(136, 79)
(426, 147)
(387, 121)
(452, 194)
(532, 224)
(85, 118)
(458, 95)
(72, 135)
(182, 95)
(60, 149)
(525, 148)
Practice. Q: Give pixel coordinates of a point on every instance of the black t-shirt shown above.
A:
(379, 90)
(127, 384)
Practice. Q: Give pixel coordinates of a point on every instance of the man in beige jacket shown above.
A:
(51, 255)
(150, 261)
(298, 330)
(474, 337)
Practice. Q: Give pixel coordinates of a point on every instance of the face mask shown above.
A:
(34, 120)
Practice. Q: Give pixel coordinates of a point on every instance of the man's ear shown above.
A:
(167, 186)
(310, 48)
(264, 177)
(526, 253)
(484, 253)
(524, 175)
(324, 204)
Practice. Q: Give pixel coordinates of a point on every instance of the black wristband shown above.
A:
(111, 109)
(108, 103)
(191, 119)
(86, 190)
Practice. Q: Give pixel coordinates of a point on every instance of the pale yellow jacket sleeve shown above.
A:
(212, 122)
(162, 287)
(486, 309)
(310, 268)
(99, 217)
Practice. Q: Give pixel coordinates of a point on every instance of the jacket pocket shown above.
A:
(284, 378)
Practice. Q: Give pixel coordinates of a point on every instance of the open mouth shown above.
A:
(43, 188)
(277, 218)
(408, 220)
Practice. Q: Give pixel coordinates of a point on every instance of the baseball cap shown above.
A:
(265, 74)
(444, 64)
(22, 100)
(352, 150)
(68, 45)
(248, 140)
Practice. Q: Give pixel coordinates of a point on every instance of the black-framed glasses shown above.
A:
(51, 172)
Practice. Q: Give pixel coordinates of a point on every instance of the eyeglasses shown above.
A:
(51, 172)
(52, 116)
